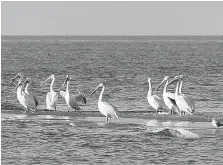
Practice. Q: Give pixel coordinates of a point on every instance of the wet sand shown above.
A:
(197, 117)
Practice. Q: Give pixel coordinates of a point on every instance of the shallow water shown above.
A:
(48, 139)
(124, 64)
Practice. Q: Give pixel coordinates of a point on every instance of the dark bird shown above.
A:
(216, 123)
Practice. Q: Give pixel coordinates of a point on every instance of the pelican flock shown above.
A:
(168, 97)
(25, 99)
(176, 103)
(106, 109)
(52, 96)
(184, 103)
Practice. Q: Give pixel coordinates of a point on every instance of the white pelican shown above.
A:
(187, 98)
(154, 100)
(26, 100)
(80, 98)
(27, 91)
(181, 100)
(70, 99)
(216, 123)
(106, 109)
(52, 96)
(168, 97)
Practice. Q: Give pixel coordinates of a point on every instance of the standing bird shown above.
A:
(216, 123)
(154, 100)
(52, 96)
(168, 98)
(182, 102)
(187, 98)
(70, 99)
(106, 109)
(26, 100)
(26, 83)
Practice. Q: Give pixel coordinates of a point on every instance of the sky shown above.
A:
(111, 18)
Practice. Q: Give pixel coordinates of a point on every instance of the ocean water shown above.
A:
(124, 64)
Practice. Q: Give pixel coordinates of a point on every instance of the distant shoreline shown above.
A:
(114, 37)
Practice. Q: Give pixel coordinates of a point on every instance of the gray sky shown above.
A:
(112, 18)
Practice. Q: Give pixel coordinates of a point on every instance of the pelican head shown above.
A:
(100, 85)
(18, 76)
(27, 81)
(175, 78)
(164, 80)
(51, 77)
(19, 84)
(68, 78)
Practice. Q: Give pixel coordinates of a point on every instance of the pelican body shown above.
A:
(52, 96)
(25, 99)
(80, 98)
(190, 101)
(154, 100)
(70, 99)
(181, 100)
(106, 109)
(168, 97)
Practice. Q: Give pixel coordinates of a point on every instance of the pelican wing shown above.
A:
(73, 102)
(108, 110)
(172, 100)
(189, 101)
(29, 101)
(51, 99)
(80, 98)
(36, 101)
(170, 95)
(184, 105)
(156, 102)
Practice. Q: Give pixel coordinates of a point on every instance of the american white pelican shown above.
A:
(190, 101)
(28, 92)
(26, 100)
(216, 123)
(70, 99)
(181, 100)
(80, 98)
(154, 100)
(52, 96)
(106, 109)
(168, 97)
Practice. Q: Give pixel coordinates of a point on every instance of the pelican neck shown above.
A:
(51, 85)
(150, 88)
(101, 94)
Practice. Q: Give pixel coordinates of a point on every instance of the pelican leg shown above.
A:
(107, 119)
(55, 107)
(69, 109)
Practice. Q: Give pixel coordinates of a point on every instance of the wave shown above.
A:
(174, 132)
